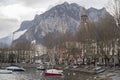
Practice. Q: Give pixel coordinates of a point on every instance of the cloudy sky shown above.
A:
(13, 12)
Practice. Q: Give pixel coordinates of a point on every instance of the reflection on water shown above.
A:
(33, 74)
(29, 74)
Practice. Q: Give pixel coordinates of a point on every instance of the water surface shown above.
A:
(33, 74)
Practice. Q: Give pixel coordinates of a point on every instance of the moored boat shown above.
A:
(53, 72)
(5, 71)
(98, 70)
(89, 70)
(42, 68)
(15, 68)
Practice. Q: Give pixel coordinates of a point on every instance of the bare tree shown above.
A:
(23, 48)
(114, 8)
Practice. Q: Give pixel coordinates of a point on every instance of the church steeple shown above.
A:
(84, 16)
(84, 25)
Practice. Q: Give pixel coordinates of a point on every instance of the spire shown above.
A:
(84, 11)
(84, 25)
(84, 16)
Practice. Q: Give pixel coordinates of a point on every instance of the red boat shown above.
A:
(53, 72)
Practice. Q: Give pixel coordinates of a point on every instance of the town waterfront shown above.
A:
(32, 74)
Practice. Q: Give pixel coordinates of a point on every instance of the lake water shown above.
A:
(33, 74)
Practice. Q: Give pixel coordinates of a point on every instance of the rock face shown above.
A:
(61, 18)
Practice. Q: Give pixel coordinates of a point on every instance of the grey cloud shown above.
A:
(33, 2)
(44, 4)
(8, 23)
(9, 20)
(4, 2)
(29, 2)
(7, 26)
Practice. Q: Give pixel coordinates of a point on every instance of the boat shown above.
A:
(95, 70)
(5, 71)
(98, 70)
(15, 68)
(53, 72)
(42, 68)
(88, 70)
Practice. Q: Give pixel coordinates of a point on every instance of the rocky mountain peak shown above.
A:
(61, 18)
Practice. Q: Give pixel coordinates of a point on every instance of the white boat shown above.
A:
(5, 71)
(53, 72)
(41, 68)
(98, 70)
(15, 68)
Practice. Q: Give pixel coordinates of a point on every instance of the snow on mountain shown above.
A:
(19, 33)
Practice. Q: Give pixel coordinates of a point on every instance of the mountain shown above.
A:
(6, 40)
(61, 18)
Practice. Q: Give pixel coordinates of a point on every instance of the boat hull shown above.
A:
(52, 74)
(99, 71)
(41, 69)
(14, 68)
(5, 71)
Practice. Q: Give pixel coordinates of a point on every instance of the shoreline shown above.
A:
(109, 74)
(19, 64)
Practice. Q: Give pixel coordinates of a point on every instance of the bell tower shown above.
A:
(84, 16)
(83, 28)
